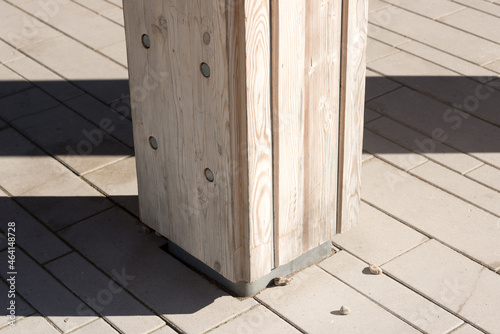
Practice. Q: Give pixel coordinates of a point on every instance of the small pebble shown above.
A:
(66, 320)
(281, 281)
(344, 310)
(375, 270)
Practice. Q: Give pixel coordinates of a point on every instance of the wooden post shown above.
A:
(247, 118)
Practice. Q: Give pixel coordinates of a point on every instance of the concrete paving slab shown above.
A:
(452, 280)
(408, 305)
(313, 299)
(119, 182)
(54, 301)
(430, 148)
(27, 325)
(11, 83)
(80, 144)
(31, 235)
(433, 211)
(258, 320)
(378, 238)
(114, 240)
(104, 295)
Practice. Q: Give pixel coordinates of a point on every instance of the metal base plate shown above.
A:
(245, 289)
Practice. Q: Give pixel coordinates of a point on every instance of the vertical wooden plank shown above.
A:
(288, 118)
(353, 71)
(306, 68)
(189, 116)
(322, 94)
(258, 90)
(235, 12)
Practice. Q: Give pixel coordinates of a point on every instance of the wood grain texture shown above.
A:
(258, 81)
(353, 71)
(222, 122)
(188, 114)
(306, 68)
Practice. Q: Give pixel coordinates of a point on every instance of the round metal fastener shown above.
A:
(209, 175)
(206, 38)
(205, 70)
(145, 41)
(153, 143)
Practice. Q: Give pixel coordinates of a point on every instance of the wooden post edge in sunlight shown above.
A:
(248, 120)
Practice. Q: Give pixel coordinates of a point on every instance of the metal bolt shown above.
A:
(153, 142)
(209, 175)
(206, 38)
(145, 41)
(205, 70)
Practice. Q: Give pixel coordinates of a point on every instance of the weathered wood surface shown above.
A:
(353, 72)
(305, 119)
(266, 122)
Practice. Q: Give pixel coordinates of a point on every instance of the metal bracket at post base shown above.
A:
(245, 289)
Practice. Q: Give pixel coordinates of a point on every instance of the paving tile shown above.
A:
(44, 78)
(429, 8)
(114, 240)
(164, 330)
(119, 182)
(104, 295)
(90, 29)
(377, 85)
(370, 115)
(80, 144)
(118, 3)
(312, 302)
(433, 211)
(452, 280)
(464, 132)
(418, 311)
(430, 148)
(11, 83)
(3, 125)
(460, 186)
(438, 35)
(26, 102)
(20, 29)
(116, 16)
(98, 6)
(47, 295)
(390, 152)
(117, 52)
(35, 239)
(63, 201)
(96, 111)
(481, 5)
(23, 309)
(23, 166)
(466, 329)
(27, 325)
(388, 37)
(495, 65)
(451, 62)
(8, 53)
(366, 156)
(378, 238)
(376, 50)
(374, 5)
(475, 22)
(99, 326)
(257, 320)
(487, 175)
(95, 73)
